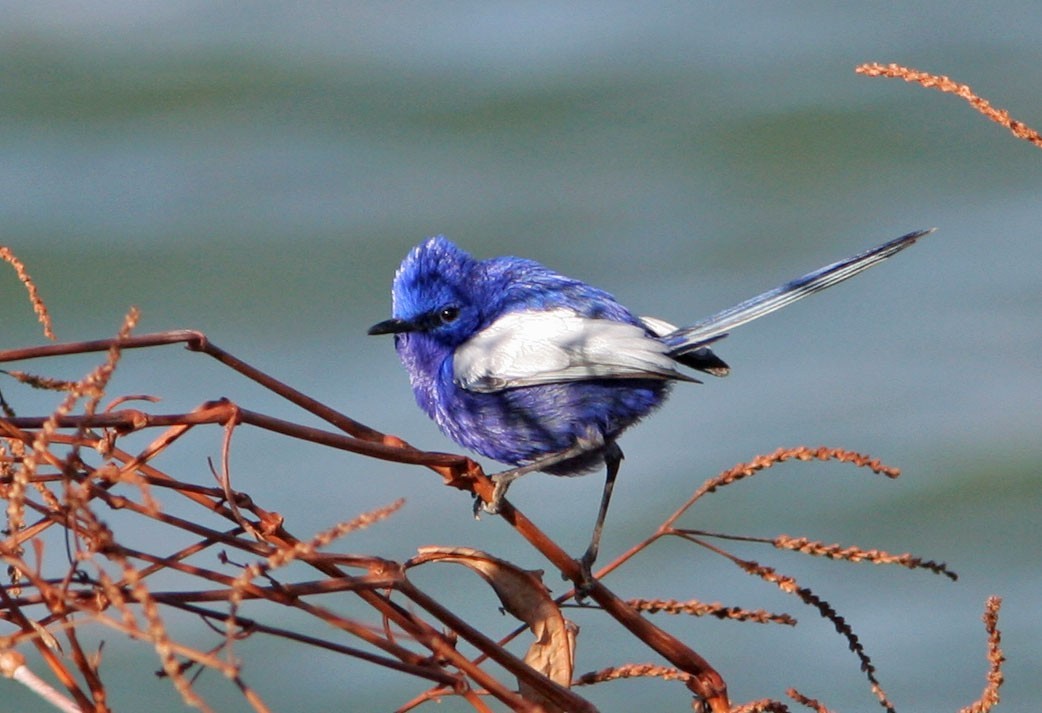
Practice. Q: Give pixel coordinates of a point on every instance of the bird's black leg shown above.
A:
(612, 460)
(502, 480)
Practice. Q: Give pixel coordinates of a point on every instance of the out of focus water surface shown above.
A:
(258, 171)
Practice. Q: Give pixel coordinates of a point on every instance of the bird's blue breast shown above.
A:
(518, 426)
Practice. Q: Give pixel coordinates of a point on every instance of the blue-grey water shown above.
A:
(258, 170)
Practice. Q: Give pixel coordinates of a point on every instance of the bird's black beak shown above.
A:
(392, 326)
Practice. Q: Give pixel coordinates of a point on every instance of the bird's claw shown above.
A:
(493, 506)
(586, 578)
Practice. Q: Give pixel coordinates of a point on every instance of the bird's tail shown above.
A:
(690, 339)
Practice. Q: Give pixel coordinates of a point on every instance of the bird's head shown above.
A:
(435, 294)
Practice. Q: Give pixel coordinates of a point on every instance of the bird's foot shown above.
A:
(586, 578)
(500, 481)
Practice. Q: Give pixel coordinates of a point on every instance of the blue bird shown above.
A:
(545, 372)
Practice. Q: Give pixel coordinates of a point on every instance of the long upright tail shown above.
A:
(690, 339)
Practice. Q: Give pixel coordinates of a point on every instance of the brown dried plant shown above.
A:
(65, 471)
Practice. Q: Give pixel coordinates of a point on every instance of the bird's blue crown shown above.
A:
(430, 276)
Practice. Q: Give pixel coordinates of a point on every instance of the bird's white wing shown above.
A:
(658, 327)
(526, 348)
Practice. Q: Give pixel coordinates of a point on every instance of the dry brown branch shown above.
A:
(947, 85)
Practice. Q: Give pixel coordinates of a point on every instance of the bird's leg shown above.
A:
(502, 480)
(612, 460)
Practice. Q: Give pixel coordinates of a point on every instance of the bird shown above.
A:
(544, 372)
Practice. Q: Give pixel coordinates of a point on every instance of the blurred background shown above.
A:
(257, 171)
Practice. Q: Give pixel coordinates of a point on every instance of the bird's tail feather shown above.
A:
(706, 331)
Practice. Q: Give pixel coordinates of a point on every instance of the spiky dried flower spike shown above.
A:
(790, 586)
(989, 698)
(34, 295)
(300, 549)
(806, 453)
(697, 608)
(856, 554)
(91, 388)
(764, 705)
(632, 670)
(41, 382)
(947, 85)
(811, 703)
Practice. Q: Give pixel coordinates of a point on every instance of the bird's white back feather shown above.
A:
(532, 347)
(658, 327)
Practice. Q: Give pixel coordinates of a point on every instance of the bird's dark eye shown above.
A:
(448, 314)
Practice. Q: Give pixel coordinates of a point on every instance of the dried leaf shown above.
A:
(46, 636)
(523, 595)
